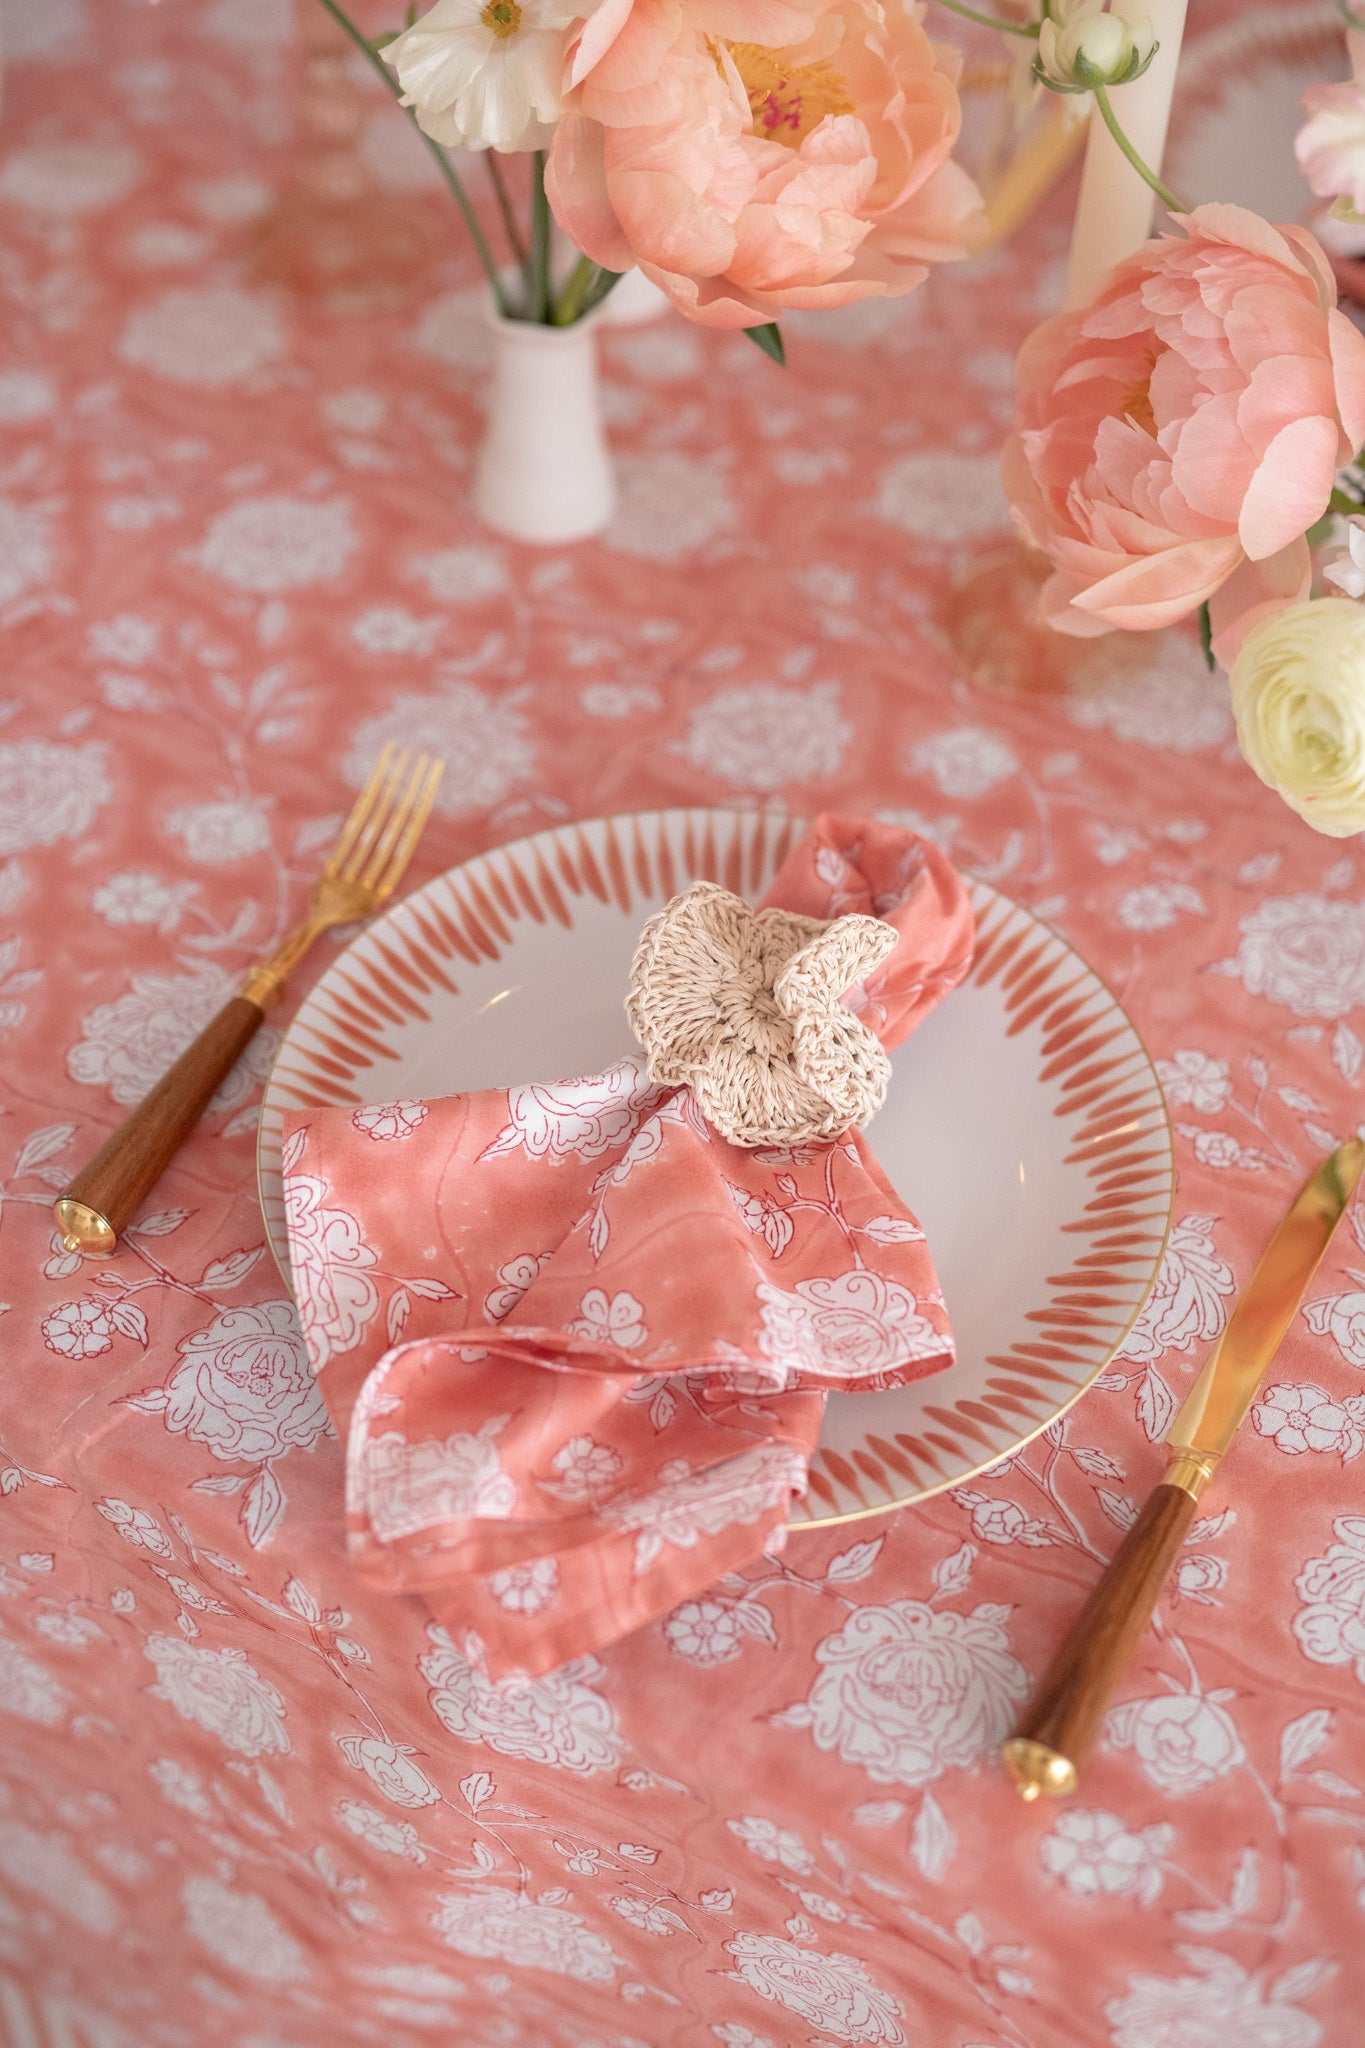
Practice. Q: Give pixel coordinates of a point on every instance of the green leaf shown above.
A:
(769, 339)
(1206, 635)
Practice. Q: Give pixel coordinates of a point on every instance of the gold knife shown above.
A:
(1065, 1713)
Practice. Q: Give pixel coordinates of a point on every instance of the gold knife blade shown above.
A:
(1068, 1708)
(1226, 1388)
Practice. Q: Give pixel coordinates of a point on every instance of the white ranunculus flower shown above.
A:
(485, 76)
(1298, 695)
(1081, 45)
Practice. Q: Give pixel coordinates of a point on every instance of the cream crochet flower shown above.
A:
(746, 1009)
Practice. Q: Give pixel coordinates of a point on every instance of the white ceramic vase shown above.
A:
(544, 471)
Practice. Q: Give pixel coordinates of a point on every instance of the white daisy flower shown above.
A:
(485, 74)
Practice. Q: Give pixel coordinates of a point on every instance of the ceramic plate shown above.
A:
(1025, 1125)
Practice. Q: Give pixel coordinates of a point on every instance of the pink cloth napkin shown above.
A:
(577, 1344)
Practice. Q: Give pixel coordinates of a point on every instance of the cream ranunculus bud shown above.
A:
(1082, 45)
(1298, 694)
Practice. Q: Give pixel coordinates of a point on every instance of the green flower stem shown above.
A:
(1006, 28)
(1205, 618)
(538, 273)
(443, 163)
(1149, 176)
(509, 219)
(606, 281)
(587, 286)
(570, 304)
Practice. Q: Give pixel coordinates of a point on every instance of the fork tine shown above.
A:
(359, 811)
(397, 818)
(378, 818)
(411, 833)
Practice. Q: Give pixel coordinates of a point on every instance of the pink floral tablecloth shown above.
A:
(245, 1800)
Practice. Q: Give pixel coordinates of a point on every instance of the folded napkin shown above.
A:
(578, 1343)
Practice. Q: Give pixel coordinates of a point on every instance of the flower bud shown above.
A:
(1344, 564)
(1298, 694)
(1082, 45)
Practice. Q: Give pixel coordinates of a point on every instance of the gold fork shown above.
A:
(365, 867)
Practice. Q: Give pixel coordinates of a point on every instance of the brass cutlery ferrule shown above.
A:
(1192, 1471)
(264, 983)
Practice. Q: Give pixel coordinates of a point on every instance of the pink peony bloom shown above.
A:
(754, 155)
(1176, 439)
(1330, 146)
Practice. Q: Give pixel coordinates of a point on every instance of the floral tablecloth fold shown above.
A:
(577, 1342)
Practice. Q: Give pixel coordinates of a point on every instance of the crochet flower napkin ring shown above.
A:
(746, 1009)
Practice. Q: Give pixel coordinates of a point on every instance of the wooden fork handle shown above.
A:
(1063, 1718)
(93, 1209)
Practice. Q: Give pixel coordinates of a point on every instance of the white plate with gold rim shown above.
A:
(1025, 1125)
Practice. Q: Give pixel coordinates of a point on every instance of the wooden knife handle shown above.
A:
(93, 1209)
(1064, 1716)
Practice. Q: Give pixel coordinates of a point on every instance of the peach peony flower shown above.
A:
(752, 155)
(1176, 439)
(1330, 146)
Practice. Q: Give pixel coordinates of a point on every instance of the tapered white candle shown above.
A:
(1114, 213)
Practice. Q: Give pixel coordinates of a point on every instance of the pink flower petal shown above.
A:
(1290, 489)
(1347, 345)
(1211, 462)
(1156, 590)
